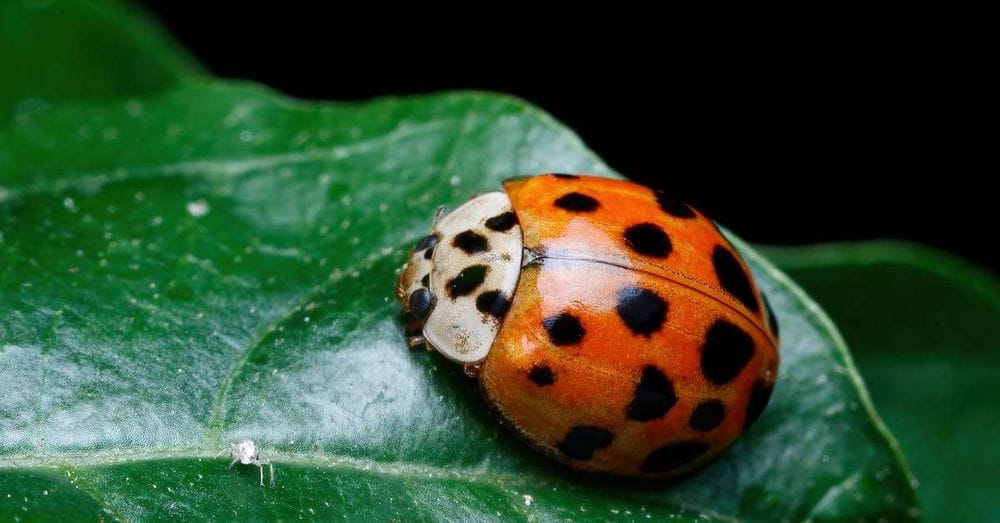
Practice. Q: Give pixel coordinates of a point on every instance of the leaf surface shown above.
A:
(79, 50)
(222, 266)
(925, 328)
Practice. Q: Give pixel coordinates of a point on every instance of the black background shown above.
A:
(783, 141)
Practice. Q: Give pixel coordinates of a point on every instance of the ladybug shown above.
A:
(612, 327)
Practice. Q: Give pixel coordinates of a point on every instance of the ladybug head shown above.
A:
(460, 277)
(413, 286)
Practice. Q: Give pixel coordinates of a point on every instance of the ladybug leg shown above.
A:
(472, 370)
(438, 214)
(414, 332)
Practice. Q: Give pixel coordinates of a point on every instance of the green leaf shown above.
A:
(221, 266)
(923, 325)
(78, 49)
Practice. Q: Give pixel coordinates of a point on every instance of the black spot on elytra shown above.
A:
(673, 456)
(542, 375)
(493, 303)
(648, 239)
(581, 442)
(471, 242)
(426, 280)
(577, 202)
(673, 206)
(421, 302)
(426, 242)
(502, 222)
(565, 176)
(772, 320)
(733, 278)
(642, 310)
(726, 351)
(653, 397)
(467, 281)
(563, 329)
(759, 397)
(707, 415)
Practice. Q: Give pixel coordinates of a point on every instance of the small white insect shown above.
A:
(246, 453)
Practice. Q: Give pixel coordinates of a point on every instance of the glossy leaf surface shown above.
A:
(216, 262)
(925, 329)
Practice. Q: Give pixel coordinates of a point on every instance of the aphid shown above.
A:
(246, 452)
(613, 327)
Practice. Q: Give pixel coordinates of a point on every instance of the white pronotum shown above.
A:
(456, 327)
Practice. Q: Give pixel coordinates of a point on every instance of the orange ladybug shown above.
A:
(612, 327)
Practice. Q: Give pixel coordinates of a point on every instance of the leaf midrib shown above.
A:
(305, 459)
(397, 470)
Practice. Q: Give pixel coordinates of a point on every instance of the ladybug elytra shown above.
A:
(612, 327)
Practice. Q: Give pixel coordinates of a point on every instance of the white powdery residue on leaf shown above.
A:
(197, 208)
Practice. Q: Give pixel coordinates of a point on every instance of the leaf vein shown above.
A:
(88, 488)
(216, 420)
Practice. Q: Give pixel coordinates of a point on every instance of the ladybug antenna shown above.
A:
(438, 214)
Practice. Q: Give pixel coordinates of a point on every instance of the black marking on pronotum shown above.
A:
(471, 242)
(502, 222)
(467, 281)
(493, 303)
